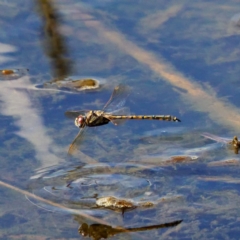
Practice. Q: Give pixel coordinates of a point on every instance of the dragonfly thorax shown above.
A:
(80, 121)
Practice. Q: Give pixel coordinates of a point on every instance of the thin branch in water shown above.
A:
(31, 195)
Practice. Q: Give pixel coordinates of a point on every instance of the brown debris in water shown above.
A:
(77, 85)
(179, 159)
(7, 71)
(116, 203)
(112, 202)
(12, 74)
(226, 162)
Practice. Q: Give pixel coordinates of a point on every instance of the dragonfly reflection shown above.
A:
(100, 231)
(113, 112)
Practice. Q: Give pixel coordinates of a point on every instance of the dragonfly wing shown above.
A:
(76, 142)
(122, 111)
(72, 114)
(118, 98)
(216, 138)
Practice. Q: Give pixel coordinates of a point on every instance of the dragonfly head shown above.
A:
(80, 121)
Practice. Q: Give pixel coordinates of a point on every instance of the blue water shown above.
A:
(148, 46)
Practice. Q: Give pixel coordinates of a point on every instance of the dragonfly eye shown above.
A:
(79, 121)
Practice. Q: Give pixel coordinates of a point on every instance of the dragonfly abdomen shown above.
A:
(148, 117)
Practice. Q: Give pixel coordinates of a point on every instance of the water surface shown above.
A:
(179, 59)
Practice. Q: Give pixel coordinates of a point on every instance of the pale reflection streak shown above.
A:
(15, 102)
(6, 48)
(221, 112)
(153, 21)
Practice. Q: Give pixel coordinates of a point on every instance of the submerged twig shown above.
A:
(72, 211)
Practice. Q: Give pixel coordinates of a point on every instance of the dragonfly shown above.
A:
(113, 111)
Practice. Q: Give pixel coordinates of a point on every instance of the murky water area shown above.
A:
(144, 179)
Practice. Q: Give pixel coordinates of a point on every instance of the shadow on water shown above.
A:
(54, 43)
(99, 231)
